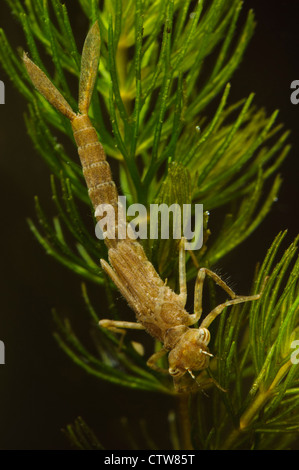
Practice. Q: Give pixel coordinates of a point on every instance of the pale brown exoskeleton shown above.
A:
(159, 310)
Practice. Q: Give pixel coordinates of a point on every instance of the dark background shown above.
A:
(41, 390)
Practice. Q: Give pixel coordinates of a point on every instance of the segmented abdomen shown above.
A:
(96, 169)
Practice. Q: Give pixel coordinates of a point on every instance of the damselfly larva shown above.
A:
(159, 310)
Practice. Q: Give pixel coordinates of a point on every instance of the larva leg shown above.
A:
(193, 257)
(216, 311)
(220, 283)
(182, 273)
(236, 299)
(120, 327)
(152, 361)
(198, 296)
(117, 325)
(206, 382)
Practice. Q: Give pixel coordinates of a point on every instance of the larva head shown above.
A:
(190, 353)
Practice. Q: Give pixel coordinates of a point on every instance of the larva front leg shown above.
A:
(219, 309)
(152, 361)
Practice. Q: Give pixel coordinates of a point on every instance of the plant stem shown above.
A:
(260, 400)
(184, 421)
(121, 62)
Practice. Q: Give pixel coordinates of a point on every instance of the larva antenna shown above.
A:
(47, 89)
(89, 67)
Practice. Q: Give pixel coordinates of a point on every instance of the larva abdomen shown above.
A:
(96, 169)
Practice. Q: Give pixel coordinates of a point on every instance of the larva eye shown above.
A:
(174, 371)
(204, 335)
